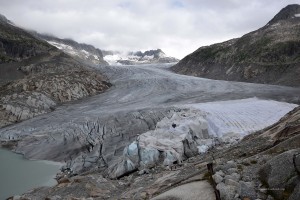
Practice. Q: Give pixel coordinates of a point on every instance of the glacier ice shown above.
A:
(197, 127)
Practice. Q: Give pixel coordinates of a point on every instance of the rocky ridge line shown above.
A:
(267, 55)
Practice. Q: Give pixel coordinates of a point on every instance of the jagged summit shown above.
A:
(289, 12)
(155, 53)
(137, 57)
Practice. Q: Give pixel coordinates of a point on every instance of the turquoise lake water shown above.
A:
(18, 175)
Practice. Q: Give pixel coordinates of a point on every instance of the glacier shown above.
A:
(196, 128)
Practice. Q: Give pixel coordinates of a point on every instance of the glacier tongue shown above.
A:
(197, 127)
(241, 117)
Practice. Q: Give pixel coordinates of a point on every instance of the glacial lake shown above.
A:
(19, 175)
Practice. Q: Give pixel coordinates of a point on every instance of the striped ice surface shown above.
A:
(241, 116)
(201, 126)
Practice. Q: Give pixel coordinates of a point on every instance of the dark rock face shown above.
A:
(278, 172)
(17, 44)
(286, 13)
(267, 55)
(155, 53)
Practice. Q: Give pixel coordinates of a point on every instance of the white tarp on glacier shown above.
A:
(243, 116)
(197, 127)
(201, 124)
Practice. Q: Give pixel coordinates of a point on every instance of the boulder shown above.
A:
(296, 193)
(234, 176)
(218, 179)
(230, 164)
(56, 197)
(221, 173)
(277, 172)
(232, 170)
(246, 190)
(227, 192)
(231, 182)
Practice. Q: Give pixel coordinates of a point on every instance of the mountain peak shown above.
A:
(250, 57)
(138, 57)
(289, 12)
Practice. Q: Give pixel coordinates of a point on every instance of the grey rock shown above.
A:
(221, 173)
(218, 179)
(292, 183)
(270, 198)
(278, 171)
(246, 190)
(16, 197)
(231, 162)
(144, 171)
(261, 195)
(56, 197)
(231, 182)
(229, 165)
(227, 192)
(190, 148)
(296, 193)
(234, 176)
(121, 167)
(232, 170)
(23, 106)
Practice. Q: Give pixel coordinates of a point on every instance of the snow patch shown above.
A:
(275, 25)
(59, 45)
(112, 59)
(85, 52)
(64, 47)
(148, 57)
(297, 15)
(75, 52)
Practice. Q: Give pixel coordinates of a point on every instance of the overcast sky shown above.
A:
(178, 27)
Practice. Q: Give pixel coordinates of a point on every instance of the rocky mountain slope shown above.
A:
(82, 51)
(138, 57)
(35, 76)
(270, 54)
(17, 44)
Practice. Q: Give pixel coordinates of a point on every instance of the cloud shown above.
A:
(178, 27)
